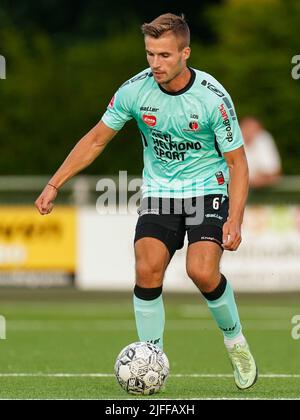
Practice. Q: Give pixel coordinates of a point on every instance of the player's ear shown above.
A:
(186, 53)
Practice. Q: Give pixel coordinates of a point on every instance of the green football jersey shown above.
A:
(184, 134)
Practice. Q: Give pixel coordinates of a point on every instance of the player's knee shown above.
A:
(149, 274)
(205, 278)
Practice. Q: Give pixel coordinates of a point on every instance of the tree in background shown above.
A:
(59, 84)
(256, 42)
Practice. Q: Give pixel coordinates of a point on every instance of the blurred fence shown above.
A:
(81, 190)
(77, 243)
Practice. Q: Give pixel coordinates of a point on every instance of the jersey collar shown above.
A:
(183, 90)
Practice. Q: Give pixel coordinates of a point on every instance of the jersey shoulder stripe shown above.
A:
(215, 92)
(211, 88)
(141, 77)
(122, 107)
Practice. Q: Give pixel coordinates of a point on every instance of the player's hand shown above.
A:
(231, 235)
(44, 203)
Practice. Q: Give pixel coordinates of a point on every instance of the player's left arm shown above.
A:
(230, 141)
(238, 192)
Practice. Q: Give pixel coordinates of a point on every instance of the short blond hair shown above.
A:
(169, 22)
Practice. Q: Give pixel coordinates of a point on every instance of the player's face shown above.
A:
(165, 57)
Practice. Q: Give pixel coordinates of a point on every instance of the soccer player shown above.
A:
(195, 181)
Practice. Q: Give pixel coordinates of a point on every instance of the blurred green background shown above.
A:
(65, 60)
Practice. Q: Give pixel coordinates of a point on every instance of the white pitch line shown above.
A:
(111, 375)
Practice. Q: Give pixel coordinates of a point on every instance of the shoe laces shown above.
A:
(241, 358)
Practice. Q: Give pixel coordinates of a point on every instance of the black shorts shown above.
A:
(169, 219)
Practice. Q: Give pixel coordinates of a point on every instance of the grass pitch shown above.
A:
(63, 345)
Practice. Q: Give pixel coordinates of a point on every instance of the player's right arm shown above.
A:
(83, 154)
(90, 146)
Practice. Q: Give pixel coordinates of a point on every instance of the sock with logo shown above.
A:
(222, 306)
(149, 314)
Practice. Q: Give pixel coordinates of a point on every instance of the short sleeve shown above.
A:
(225, 125)
(119, 110)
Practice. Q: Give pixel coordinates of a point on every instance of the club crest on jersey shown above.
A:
(149, 120)
(193, 126)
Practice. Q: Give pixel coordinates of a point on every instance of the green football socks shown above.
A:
(222, 306)
(149, 314)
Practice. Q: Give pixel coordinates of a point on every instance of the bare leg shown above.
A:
(203, 265)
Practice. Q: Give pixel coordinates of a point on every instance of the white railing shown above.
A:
(81, 190)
